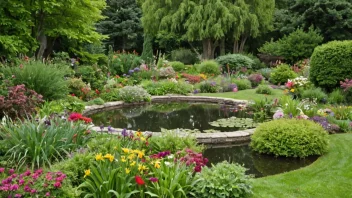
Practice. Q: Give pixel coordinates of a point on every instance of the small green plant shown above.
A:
(178, 66)
(281, 74)
(234, 62)
(110, 95)
(210, 68)
(301, 138)
(222, 180)
(266, 72)
(264, 89)
(121, 63)
(289, 105)
(185, 56)
(96, 101)
(314, 93)
(336, 97)
(164, 87)
(242, 84)
(209, 87)
(133, 94)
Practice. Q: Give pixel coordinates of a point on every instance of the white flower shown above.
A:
(170, 156)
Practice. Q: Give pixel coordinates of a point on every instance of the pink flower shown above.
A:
(27, 188)
(153, 179)
(14, 187)
(2, 170)
(33, 191)
(235, 89)
(47, 194)
(18, 195)
(21, 182)
(11, 171)
(57, 185)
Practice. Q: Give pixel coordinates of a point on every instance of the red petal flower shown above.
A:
(139, 180)
(75, 117)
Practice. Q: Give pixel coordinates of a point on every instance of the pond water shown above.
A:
(153, 117)
(257, 164)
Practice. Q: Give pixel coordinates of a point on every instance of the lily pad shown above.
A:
(234, 122)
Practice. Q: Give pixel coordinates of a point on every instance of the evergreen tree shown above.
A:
(147, 54)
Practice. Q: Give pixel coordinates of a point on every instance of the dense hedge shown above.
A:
(290, 138)
(331, 63)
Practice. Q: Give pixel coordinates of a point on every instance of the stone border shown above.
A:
(203, 138)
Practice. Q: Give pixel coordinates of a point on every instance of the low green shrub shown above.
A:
(121, 63)
(164, 87)
(110, 95)
(242, 84)
(235, 62)
(96, 101)
(46, 80)
(222, 180)
(264, 89)
(178, 66)
(91, 75)
(314, 93)
(290, 138)
(257, 65)
(76, 85)
(209, 87)
(265, 72)
(210, 68)
(331, 63)
(40, 143)
(336, 97)
(186, 56)
(133, 94)
(281, 74)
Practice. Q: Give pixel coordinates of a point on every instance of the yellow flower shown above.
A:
(99, 157)
(127, 170)
(86, 173)
(123, 158)
(204, 77)
(131, 156)
(126, 150)
(292, 90)
(143, 139)
(142, 167)
(157, 164)
(139, 133)
(133, 164)
(109, 156)
(140, 154)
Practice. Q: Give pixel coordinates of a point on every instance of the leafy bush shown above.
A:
(167, 72)
(331, 63)
(92, 75)
(264, 89)
(209, 87)
(290, 138)
(133, 94)
(19, 102)
(76, 85)
(210, 68)
(255, 79)
(235, 62)
(167, 87)
(296, 46)
(96, 101)
(178, 66)
(265, 72)
(121, 63)
(226, 85)
(281, 74)
(257, 63)
(185, 56)
(170, 141)
(242, 84)
(46, 80)
(314, 93)
(222, 180)
(110, 95)
(336, 97)
(40, 143)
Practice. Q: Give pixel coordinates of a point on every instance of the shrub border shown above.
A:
(203, 138)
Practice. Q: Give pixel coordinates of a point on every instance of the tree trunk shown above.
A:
(50, 45)
(222, 47)
(235, 47)
(43, 41)
(209, 48)
(243, 41)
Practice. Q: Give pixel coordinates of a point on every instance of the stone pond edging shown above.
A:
(203, 138)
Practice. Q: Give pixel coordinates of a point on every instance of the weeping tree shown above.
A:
(208, 21)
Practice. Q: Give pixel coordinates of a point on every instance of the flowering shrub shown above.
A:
(19, 102)
(167, 72)
(39, 143)
(347, 88)
(323, 121)
(281, 74)
(193, 79)
(32, 184)
(297, 85)
(133, 94)
(209, 87)
(255, 79)
(77, 116)
(192, 158)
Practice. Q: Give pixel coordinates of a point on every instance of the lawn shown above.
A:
(248, 94)
(330, 176)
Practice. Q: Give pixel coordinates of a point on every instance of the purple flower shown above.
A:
(110, 129)
(153, 179)
(101, 127)
(130, 72)
(18, 195)
(124, 132)
(124, 75)
(2, 170)
(278, 114)
(136, 69)
(14, 187)
(213, 83)
(195, 91)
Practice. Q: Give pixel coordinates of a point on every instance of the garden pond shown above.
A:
(191, 117)
(257, 164)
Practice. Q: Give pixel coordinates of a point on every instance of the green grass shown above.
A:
(248, 94)
(329, 176)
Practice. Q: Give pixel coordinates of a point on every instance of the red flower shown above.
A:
(97, 91)
(86, 120)
(75, 117)
(139, 180)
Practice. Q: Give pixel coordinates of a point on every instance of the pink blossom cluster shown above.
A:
(161, 155)
(194, 158)
(26, 183)
(346, 85)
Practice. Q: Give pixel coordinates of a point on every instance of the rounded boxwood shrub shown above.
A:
(235, 61)
(290, 138)
(264, 89)
(210, 67)
(178, 66)
(331, 63)
(242, 84)
(222, 180)
(281, 74)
